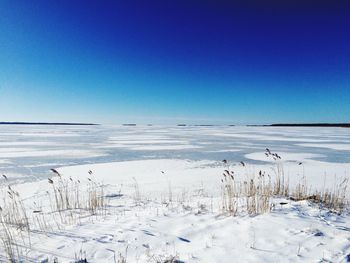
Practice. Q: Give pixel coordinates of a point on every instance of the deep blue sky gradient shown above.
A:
(168, 62)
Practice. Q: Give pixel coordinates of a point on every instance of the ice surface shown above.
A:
(26, 149)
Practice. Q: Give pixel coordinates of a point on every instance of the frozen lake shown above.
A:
(28, 152)
(155, 176)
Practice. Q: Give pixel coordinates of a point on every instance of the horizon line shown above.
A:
(311, 124)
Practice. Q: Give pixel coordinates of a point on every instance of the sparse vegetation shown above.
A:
(13, 211)
(164, 259)
(67, 202)
(242, 193)
(137, 195)
(68, 195)
(253, 194)
(333, 199)
(250, 195)
(10, 247)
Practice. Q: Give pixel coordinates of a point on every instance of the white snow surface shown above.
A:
(193, 231)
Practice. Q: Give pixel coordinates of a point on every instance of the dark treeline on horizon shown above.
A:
(347, 125)
(342, 125)
(44, 123)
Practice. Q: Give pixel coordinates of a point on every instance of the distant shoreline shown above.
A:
(47, 123)
(341, 125)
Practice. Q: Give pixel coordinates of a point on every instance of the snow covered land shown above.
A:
(174, 194)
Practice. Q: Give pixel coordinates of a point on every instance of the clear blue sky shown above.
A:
(168, 62)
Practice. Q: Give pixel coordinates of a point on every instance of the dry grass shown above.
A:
(249, 195)
(7, 239)
(300, 191)
(137, 194)
(14, 224)
(164, 259)
(333, 199)
(68, 195)
(253, 194)
(12, 210)
(67, 201)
